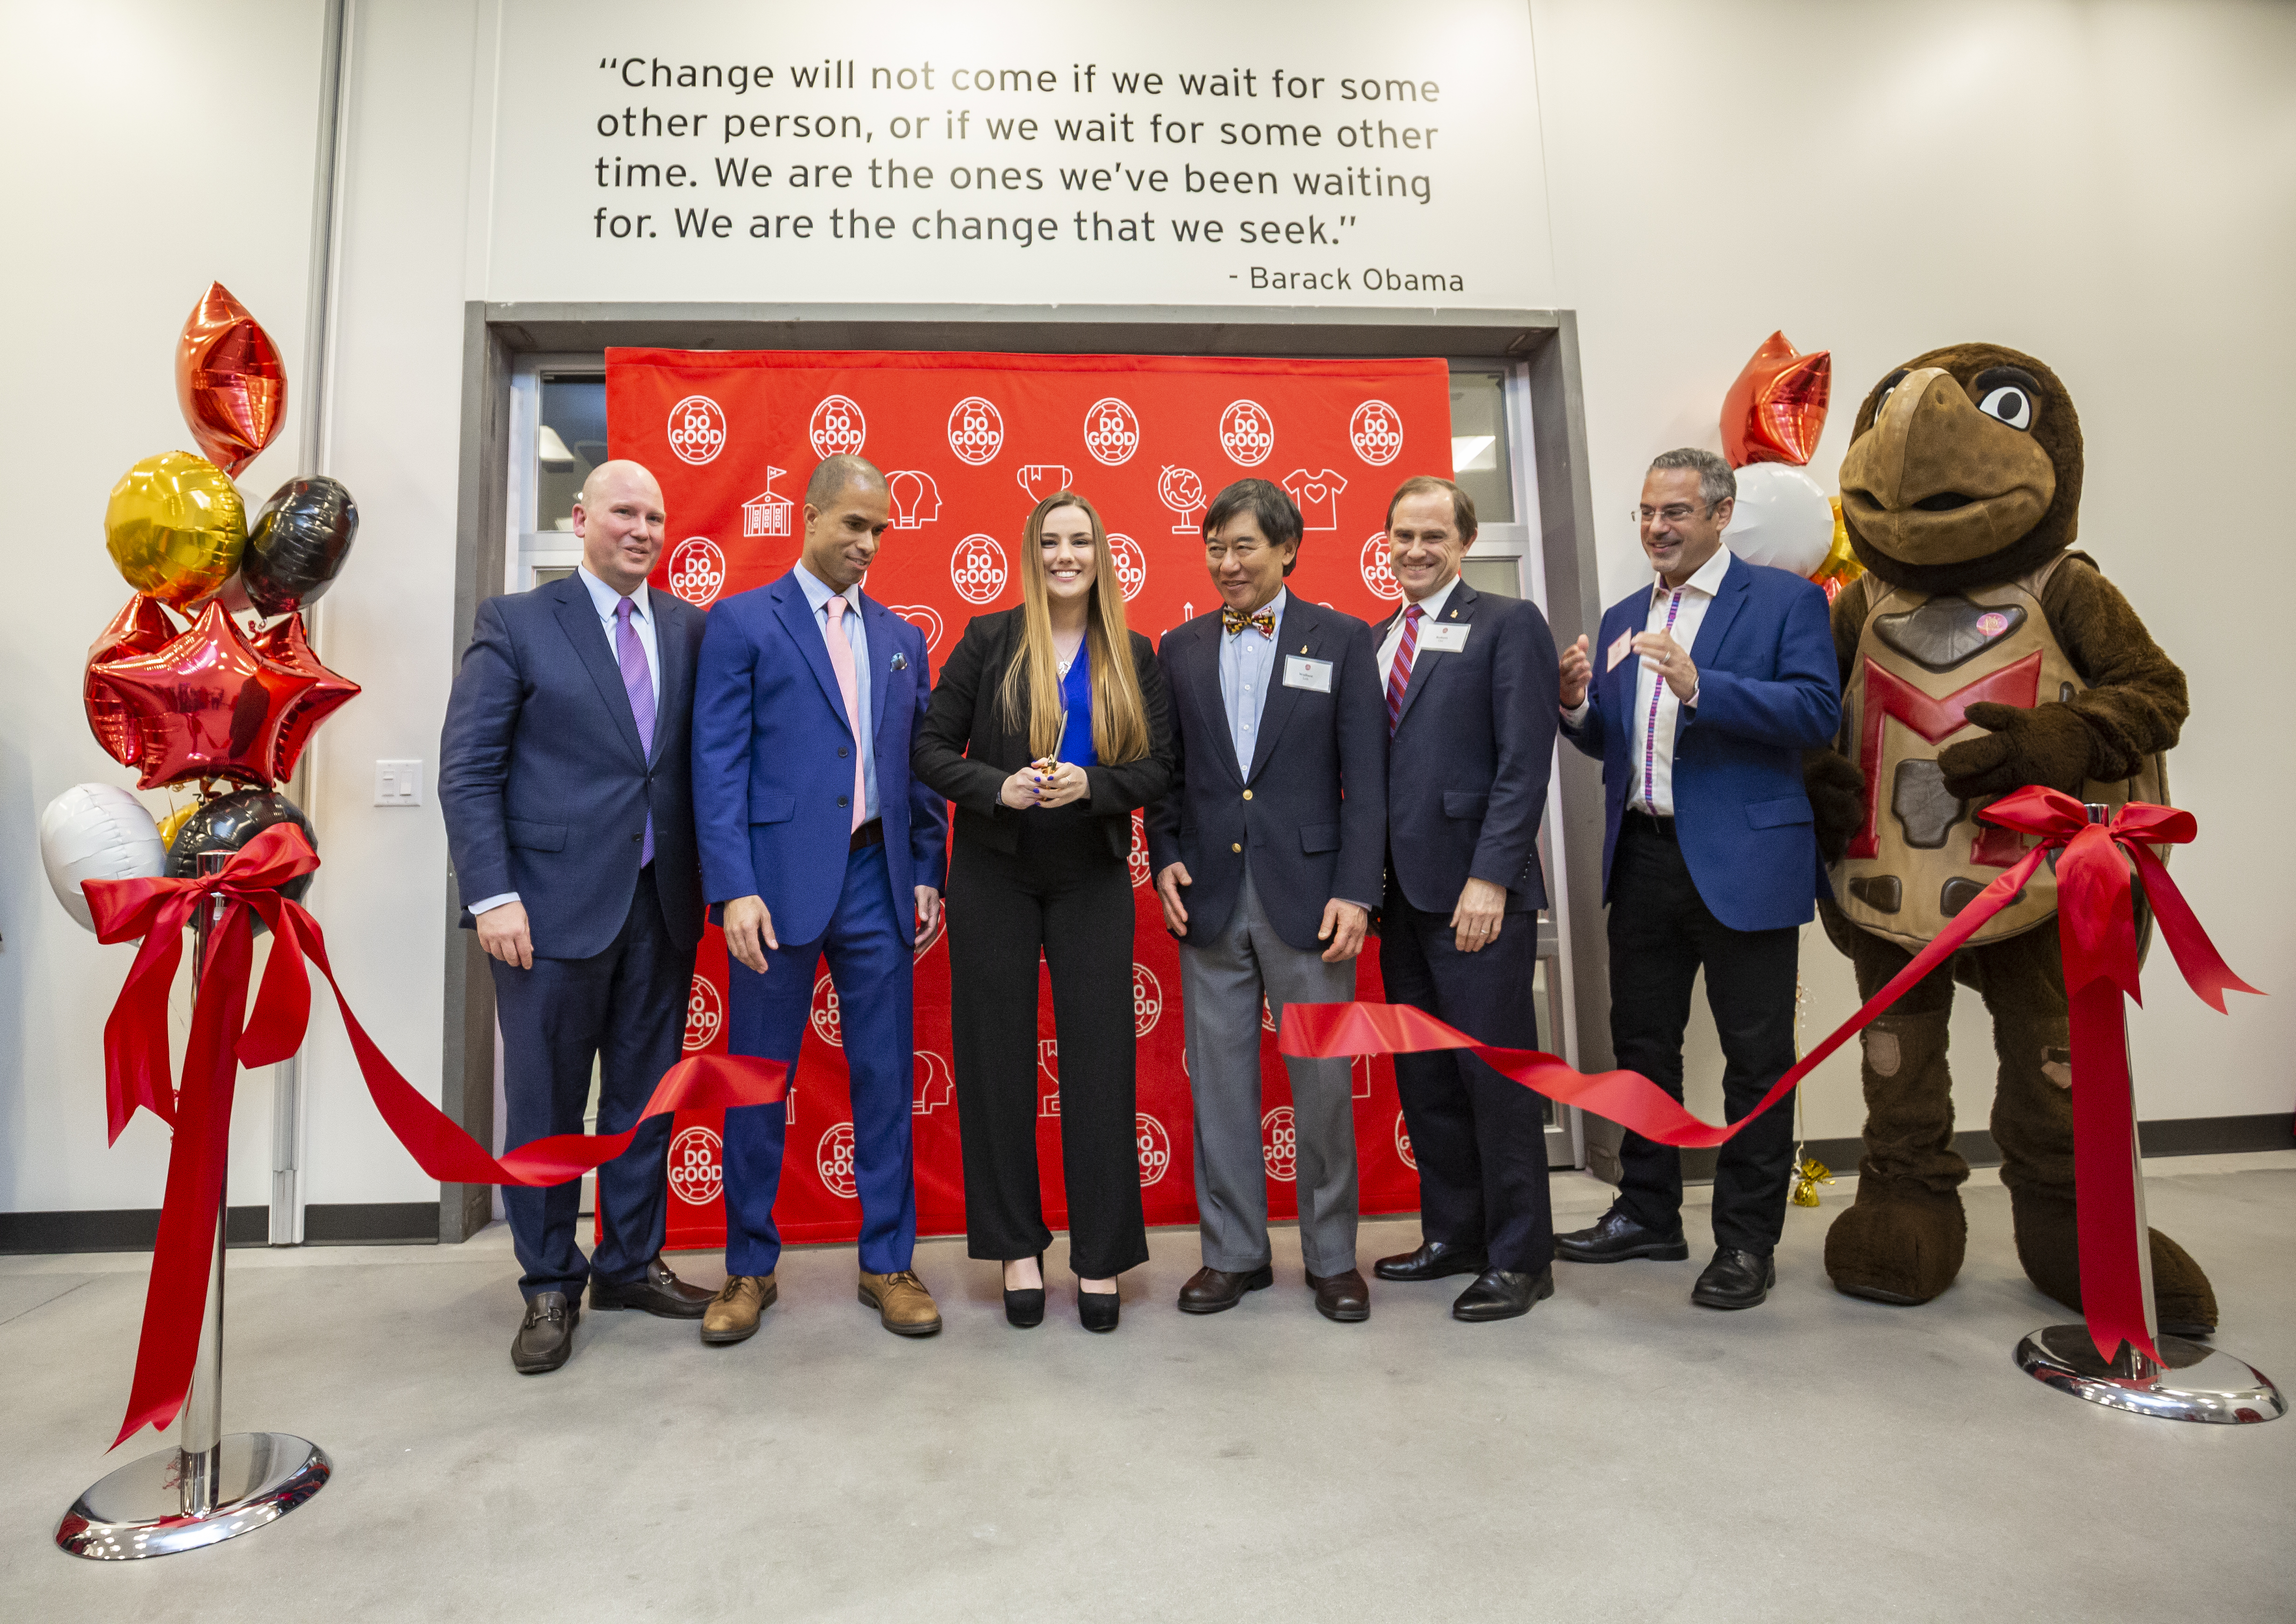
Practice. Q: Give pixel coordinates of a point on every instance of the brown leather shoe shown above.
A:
(732, 1316)
(1211, 1290)
(1341, 1297)
(903, 1305)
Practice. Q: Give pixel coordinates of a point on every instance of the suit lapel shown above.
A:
(1728, 602)
(1204, 686)
(878, 622)
(579, 618)
(797, 618)
(1460, 610)
(671, 648)
(1300, 632)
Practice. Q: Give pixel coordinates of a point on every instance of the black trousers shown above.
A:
(625, 1008)
(1480, 1140)
(1661, 934)
(1066, 896)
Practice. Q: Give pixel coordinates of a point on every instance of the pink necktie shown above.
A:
(841, 661)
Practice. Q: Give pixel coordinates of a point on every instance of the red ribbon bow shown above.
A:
(223, 1038)
(2098, 932)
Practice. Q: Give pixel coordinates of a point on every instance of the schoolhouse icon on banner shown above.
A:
(766, 514)
(1042, 479)
(916, 499)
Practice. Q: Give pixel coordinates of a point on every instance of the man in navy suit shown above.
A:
(1470, 691)
(564, 777)
(1710, 686)
(1267, 852)
(818, 845)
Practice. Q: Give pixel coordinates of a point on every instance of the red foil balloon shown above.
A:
(283, 643)
(1776, 409)
(230, 381)
(205, 706)
(141, 628)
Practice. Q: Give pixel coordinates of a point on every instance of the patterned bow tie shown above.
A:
(1236, 620)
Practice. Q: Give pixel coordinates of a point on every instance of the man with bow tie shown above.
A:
(1267, 854)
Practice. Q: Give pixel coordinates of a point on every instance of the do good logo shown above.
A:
(1377, 574)
(1279, 1144)
(697, 570)
(976, 430)
(1139, 858)
(1155, 1149)
(1376, 432)
(1147, 1000)
(697, 1170)
(1131, 561)
(1403, 1143)
(976, 569)
(1247, 433)
(697, 429)
(833, 1160)
(1111, 431)
(838, 428)
(827, 1025)
(705, 1014)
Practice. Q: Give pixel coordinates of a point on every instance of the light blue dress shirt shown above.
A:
(818, 593)
(1247, 669)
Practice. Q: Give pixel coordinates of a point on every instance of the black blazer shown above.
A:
(1309, 808)
(1468, 766)
(963, 749)
(542, 785)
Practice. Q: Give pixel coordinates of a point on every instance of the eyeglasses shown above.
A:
(1673, 512)
(1243, 552)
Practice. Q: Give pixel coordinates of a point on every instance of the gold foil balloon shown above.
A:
(175, 820)
(176, 526)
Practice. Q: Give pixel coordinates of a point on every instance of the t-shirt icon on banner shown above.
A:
(1042, 479)
(1317, 495)
(766, 514)
(1182, 490)
(916, 499)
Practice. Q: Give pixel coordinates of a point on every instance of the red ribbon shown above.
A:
(223, 1038)
(2097, 929)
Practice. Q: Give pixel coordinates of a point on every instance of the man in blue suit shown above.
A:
(818, 845)
(565, 779)
(1710, 684)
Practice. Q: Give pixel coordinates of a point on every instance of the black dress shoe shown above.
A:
(1025, 1309)
(656, 1291)
(1502, 1294)
(1617, 1237)
(1097, 1310)
(1432, 1261)
(1736, 1279)
(1344, 1296)
(1211, 1290)
(546, 1337)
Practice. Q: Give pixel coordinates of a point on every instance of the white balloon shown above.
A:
(1781, 519)
(97, 831)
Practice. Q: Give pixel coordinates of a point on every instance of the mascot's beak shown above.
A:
(1936, 481)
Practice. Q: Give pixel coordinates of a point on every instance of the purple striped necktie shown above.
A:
(637, 682)
(1398, 674)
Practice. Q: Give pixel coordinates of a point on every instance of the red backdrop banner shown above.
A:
(970, 442)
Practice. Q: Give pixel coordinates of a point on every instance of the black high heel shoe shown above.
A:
(1097, 1310)
(1026, 1309)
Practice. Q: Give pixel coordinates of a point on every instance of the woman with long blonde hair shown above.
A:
(1047, 729)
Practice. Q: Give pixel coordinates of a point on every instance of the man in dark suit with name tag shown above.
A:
(564, 778)
(1712, 682)
(1471, 712)
(1267, 852)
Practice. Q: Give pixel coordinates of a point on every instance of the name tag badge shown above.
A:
(1448, 638)
(1313, 675)
(1619, 649)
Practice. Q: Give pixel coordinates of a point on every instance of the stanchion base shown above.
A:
(137, 1511)
(2194, 1382)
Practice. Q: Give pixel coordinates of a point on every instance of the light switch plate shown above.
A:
(399, 783)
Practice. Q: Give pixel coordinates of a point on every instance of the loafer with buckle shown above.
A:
(1211, 1290)
(655, 1290)
(1502, 1294)
(1615, 1237)
(1344, 1296)
(1736, 1279)
(733, 1314)
(546, 1337)
(1433, 1261)
(904, 1307)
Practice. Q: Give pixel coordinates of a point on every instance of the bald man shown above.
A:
(565, 777)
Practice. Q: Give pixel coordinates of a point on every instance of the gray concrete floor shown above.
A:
(1617, 1454)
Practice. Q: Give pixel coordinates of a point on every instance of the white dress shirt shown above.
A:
(1431, 606)
(1679, 612)
(1247, 668)
(818, 593)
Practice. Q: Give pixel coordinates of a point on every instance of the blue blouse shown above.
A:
(1076, 697)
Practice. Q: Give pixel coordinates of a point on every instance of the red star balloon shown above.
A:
(141, 628)
(282, 643)
(205, 706)
(1776, 409)
(229, 379)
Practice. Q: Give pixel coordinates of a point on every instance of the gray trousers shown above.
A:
(1224, 979)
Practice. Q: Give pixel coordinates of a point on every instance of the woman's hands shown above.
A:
(1044, 783)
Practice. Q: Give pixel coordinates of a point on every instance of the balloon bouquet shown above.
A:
(217, 707)
(1771, 418)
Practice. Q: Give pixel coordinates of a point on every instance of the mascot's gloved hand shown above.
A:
(1837, 799)
(2049, 744)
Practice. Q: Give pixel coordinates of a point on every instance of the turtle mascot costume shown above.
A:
(1978, 654)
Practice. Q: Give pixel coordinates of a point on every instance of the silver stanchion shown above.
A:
(207, 1487)
(2191, 1382)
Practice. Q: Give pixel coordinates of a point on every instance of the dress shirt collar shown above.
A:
(818, 592)
(1707, 579)
(1274, 606)
(1433, 604)
(603, 598)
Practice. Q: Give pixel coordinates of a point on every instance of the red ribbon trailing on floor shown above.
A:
(2096, 926)
(223, 1038)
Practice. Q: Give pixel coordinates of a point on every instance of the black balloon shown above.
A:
(228, 823)
(298, 543)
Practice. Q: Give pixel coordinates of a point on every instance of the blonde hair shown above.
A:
(1119, 715)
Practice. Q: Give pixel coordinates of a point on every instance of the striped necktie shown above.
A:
(1398, 674)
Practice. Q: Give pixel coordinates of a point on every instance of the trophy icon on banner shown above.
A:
(1179, 489)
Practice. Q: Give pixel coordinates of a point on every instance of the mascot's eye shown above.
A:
(2007, 394)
